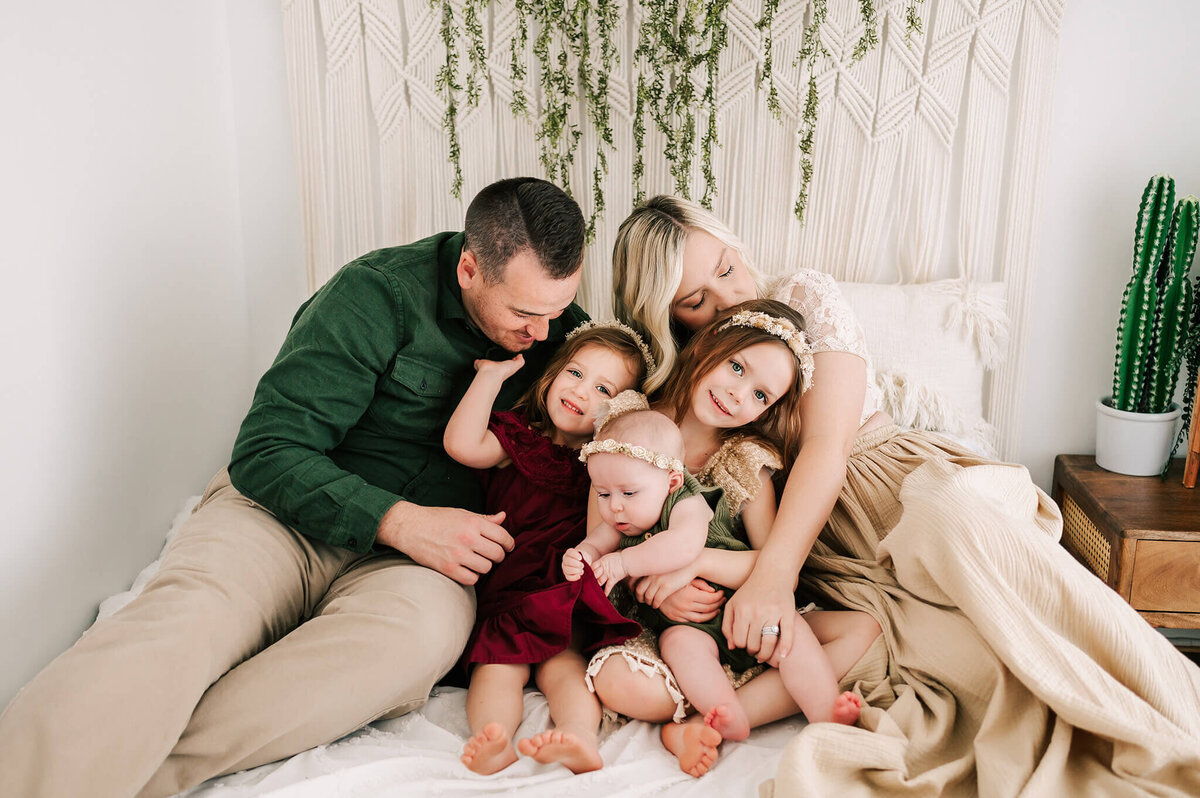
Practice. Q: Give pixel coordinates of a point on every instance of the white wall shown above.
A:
(1127, 106)
(152, 257)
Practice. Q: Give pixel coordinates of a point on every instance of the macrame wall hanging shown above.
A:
(926, 163)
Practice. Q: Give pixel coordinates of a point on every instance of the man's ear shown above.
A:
(467, 270)
(675, 480)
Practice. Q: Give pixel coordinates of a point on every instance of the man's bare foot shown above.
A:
(693, 743)
(730, 722)
(489, 751)
(555, 745)
(846, 709)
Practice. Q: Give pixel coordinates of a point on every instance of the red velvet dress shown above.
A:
(525, 606)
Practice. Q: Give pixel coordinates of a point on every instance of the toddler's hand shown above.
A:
(609, 570)
(501, 369)
(572, 564)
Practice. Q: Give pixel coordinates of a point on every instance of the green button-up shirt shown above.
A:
(349, 418)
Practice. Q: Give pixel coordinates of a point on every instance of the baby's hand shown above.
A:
(609, 570)
(502, 369)
(572, 564)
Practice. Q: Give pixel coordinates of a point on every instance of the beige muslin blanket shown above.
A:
(1008, 669)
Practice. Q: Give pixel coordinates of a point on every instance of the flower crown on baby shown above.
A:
(591, 324)
(782, 329)
(619, 405)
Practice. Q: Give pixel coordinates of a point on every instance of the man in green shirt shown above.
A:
(323, 581)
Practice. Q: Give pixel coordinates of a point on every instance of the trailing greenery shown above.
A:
(677, 57)
(1152, 332)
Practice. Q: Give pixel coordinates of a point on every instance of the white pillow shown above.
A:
(930, 344)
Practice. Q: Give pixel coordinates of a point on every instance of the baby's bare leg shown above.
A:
(693, 657)
(573, 741)
(495, 700)
(808, 676)
(641, 696)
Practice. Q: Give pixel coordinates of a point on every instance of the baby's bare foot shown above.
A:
(694, 744)
(576, 754)
(846, 709)
(489, 751)
(730, 722)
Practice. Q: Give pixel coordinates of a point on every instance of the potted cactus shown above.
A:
(1136, 425)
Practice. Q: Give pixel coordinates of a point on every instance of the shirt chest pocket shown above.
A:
(415, 400)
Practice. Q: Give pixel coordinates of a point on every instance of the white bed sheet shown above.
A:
(417, 755)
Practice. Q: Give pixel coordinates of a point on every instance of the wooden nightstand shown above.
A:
(1139, 534)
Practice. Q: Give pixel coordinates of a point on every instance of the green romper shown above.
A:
(721, 535)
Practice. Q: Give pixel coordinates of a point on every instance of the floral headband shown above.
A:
(619, 405)
(782, 329)
(591, 324)
(609, 446)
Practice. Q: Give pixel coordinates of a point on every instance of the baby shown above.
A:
(655, 518)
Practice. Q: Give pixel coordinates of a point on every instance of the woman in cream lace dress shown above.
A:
(1004, 667)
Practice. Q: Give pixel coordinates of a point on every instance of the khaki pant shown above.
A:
(252, 643)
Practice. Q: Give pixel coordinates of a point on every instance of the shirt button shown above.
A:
(352, 543)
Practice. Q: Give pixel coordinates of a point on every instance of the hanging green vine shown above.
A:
(677, 57)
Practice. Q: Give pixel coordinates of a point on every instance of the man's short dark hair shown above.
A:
(524, 213)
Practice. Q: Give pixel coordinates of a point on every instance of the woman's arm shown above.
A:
(830, 412)
(467, 438)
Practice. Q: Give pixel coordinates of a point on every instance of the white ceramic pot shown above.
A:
(1137, 444)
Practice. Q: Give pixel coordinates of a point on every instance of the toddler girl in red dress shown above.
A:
(529, 618)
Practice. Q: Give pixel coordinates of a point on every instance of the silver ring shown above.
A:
(770, 630)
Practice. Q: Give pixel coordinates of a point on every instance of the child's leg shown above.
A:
(494, 704)
(844, 634)
(693, 657)
(808, 676)
(575, 712)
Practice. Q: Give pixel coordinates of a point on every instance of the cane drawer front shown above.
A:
(1166, 576)
(1086, 541)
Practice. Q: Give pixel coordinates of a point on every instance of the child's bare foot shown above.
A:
(846, 709)
(555, 745)
(731, 723)
(693, 743)
(489, 751)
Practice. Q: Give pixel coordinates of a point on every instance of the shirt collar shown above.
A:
(450, 301)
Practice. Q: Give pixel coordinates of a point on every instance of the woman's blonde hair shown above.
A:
(533, 402)
(648, 267)
(779, 425)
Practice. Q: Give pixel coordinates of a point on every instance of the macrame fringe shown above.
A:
(981, 317)
(915, 405)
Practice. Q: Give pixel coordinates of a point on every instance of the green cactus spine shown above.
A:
(1138, 305)
(1176, 293)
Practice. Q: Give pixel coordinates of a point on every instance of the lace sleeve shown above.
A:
(735, 467)
(830, 324)
(829, 321)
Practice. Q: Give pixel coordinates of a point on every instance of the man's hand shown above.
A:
(609, 570)
(458, 543)
(572, 564)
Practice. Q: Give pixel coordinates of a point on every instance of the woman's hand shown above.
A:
(696, 602)
(654, 590)
(766, 599)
